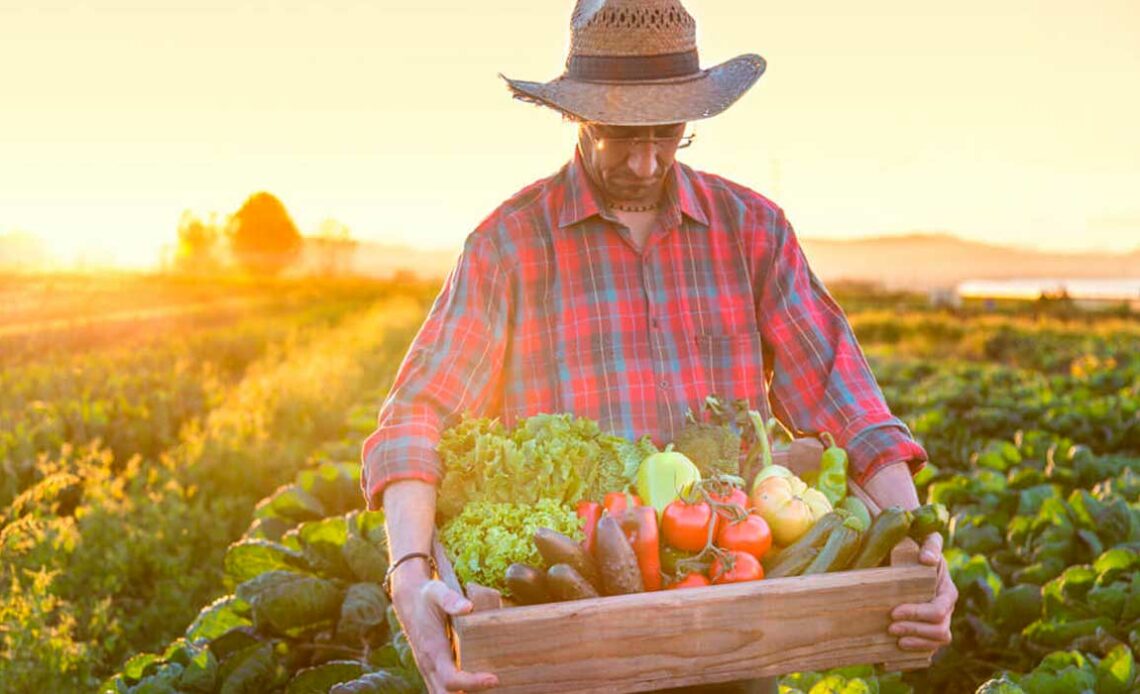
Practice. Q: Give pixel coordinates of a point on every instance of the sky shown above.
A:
(1011, 122)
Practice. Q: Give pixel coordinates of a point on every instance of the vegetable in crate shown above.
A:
(565, 583)
(557, 548)
(487, 537)
(713, 446)
(662, 477)
(640, 526)
(931, 518)
(589, 512)
(750, 535)
(840, 547)
(547, 456)
(527, 584)
(886, 531)
(832, 478)
(686, 525)
(736, 567)
(789, 507)
(691, 580)
(617, 561)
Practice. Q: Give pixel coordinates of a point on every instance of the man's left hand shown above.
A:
(926, 626)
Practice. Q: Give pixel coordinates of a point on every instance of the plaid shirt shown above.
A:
(552, 308)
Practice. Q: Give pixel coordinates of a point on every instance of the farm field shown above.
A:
(166, 476)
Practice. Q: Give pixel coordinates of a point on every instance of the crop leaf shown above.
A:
(381, 682)
(250, 671)
(361, 612)
(284, 600)
(249, 558)
(319, 679)
(292, 503)
(220, 616)
(1116, 672)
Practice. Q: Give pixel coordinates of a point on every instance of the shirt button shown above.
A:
(653, 322)
(664, 383)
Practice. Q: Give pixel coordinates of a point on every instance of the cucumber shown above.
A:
(564, 583)
(886, 531)
(931, 518)
(791, 563)
(817, 534)
(526, 584)
(841, 545)
(556, 548)
(621, 574)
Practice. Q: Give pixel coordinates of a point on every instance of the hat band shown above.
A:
(632, 68)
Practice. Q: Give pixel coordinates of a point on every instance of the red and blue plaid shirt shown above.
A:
(552, 308)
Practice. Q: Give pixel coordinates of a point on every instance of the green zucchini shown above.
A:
(841, 545)
(791, 563)
(817, 534)
(886, 531)
(931, 518)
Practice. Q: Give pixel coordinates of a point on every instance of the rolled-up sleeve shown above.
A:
(820, 379)
(453, 367)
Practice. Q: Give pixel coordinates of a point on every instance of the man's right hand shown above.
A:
(423, 606)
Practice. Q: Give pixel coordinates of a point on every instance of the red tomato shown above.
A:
(751, 535)
(686, 526)
(736, 496)
(745, 567)
(693, 580)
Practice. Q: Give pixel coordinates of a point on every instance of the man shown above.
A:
(626, 288)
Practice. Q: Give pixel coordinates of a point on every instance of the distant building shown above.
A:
(1088, 294)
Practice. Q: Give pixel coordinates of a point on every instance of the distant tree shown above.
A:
(332, 247)
(262, 236)
(199, 245)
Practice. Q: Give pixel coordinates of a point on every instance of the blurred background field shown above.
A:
(136, 449)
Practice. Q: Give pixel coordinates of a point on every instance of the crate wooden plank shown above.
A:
(672, 638)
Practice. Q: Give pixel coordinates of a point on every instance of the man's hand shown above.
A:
(423, 607)
(926, 626)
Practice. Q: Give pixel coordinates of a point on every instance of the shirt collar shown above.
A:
(581, 199)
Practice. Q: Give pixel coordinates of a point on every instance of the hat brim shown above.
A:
(703, 95)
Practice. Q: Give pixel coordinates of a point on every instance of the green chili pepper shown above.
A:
(832, 479)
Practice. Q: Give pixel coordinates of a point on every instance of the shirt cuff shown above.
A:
(878, 445)
(398, 452)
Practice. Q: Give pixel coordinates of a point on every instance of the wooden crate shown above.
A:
(648, 641)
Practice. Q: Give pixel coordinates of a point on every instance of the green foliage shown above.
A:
(142, 544)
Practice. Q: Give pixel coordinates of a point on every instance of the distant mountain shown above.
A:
(926, 261)
(913, 261)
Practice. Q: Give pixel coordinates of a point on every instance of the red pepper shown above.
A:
(640, 526)
(617, 502)
(589, 512)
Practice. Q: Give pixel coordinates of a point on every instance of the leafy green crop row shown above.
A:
(104, 558)
(134, 400)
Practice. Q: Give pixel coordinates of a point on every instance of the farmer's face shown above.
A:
(628, 168)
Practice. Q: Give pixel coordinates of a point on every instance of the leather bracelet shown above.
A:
(387, 584)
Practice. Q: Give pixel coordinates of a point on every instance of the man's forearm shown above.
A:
(409, 514)
(893, 486)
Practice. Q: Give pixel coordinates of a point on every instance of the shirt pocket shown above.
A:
(732, 368)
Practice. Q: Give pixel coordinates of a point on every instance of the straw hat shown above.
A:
(634, 62)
